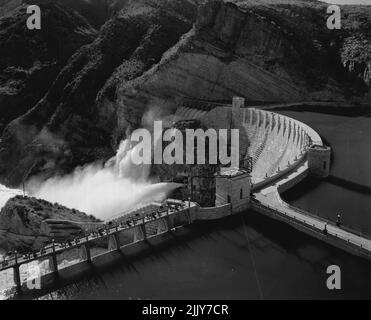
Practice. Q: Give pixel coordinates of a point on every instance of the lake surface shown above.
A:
(348, 189)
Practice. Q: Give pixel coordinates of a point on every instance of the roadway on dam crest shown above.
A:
(267, 200)
(345, 239)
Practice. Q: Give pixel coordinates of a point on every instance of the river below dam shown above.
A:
(250, 256)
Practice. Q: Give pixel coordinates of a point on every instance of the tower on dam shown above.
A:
(233, 186)
(237, 104)
(319, 158)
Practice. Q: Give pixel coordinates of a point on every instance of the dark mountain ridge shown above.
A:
(153, 53)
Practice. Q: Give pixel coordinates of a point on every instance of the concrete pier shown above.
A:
(169, 223)
(85, 253)
(53, 264)
(114, 242)
(17, 277)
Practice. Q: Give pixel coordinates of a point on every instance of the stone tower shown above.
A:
(319, 159)
(233, 186)
(237, 104)
(238, 109)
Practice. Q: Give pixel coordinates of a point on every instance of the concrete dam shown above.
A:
(279, 151)
(274, 143)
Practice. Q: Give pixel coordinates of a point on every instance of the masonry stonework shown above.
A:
(319, 158)
(234, 188)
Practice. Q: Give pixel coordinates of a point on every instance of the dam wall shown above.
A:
(278, 144)
(301, 156)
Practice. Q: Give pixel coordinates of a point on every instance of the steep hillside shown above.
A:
(30, 60)
(279, 51)
(72, 124)
(151, 54)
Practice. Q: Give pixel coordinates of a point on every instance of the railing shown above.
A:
(130, 212)
(279, 174)
(328, 220)
(304, 223)
(103, 232)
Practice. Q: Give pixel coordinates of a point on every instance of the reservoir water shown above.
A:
(348, 189)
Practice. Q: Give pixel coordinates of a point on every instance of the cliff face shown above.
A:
(279, 51)
(21, 221)
(150, 54)
(267, 53)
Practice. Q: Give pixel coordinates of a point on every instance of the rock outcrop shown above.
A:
(28, 223)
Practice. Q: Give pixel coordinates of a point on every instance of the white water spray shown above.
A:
(6, 194)
(103, 190)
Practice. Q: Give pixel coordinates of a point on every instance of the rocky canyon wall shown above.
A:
(151, 54)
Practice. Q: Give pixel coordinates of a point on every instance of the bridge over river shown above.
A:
(126, 230)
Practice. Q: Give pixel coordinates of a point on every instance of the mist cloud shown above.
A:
(104, 190)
